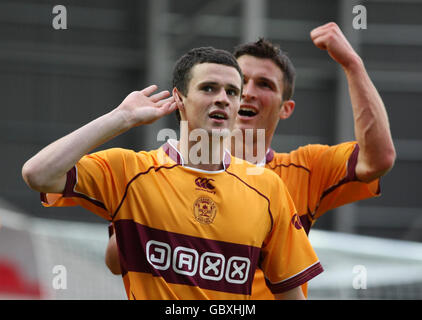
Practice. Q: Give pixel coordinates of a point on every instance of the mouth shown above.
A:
(218, 115)
(247, 111)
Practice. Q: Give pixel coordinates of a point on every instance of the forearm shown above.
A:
(372, 129)
(46, 170)
(293, 294)
(112, 256)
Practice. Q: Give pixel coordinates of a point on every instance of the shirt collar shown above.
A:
(170, 148)
(269, 156)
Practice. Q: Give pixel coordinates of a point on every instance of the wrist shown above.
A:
(354, 64)
(121, 119)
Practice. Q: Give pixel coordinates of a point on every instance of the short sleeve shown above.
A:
(333, 178)
(287, 258)
(97, 183)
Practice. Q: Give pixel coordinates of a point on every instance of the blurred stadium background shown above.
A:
(54, 81)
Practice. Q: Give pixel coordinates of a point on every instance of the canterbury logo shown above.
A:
(204, 183)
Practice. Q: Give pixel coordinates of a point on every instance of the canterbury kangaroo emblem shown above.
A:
(204, 183)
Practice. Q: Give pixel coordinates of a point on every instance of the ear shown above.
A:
(287, 109)
(178, 97)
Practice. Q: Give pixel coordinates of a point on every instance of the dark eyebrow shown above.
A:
(213, 83)
(267, 80)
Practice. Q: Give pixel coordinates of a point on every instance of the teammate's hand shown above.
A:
(329, 37)
(144, 107)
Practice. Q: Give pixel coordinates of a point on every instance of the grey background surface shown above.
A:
(54, 81)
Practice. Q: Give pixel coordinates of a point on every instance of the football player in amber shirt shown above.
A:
(319, 177)
(182, 227)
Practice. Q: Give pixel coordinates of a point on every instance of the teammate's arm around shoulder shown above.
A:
(46, 171)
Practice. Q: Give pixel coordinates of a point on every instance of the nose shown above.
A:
(248, 91)
(221, 99)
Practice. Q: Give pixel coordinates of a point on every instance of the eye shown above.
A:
(265, 84)
(207, 88)
(232, 92)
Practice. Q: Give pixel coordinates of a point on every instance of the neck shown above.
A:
(252, 145)
(205, 154)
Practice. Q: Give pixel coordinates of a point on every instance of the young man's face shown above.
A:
(213, 97)
(262, 94)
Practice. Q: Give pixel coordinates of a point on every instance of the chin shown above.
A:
(221, 132)
(244, 125)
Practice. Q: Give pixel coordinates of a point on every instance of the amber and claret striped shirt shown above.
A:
(319, 178)
(185, 233)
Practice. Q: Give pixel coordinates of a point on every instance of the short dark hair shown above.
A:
(267, 50)
(182, 68)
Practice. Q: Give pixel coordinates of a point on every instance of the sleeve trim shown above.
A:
(69, 190)
(296, 280)
(351, 172)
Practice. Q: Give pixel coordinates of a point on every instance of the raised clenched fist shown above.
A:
(329, 37)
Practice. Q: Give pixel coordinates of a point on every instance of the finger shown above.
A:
(149, 90)
(167, 108)
(317, 33)
(173, 107)
(321, 30)
(321, 42)
(159, 96)
(328, 26)
(162, 102)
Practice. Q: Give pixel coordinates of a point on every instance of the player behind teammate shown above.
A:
(183, 228)
(319, 177)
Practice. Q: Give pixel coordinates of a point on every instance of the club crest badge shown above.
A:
(204, 210)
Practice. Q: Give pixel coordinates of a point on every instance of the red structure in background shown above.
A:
(14, 283)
